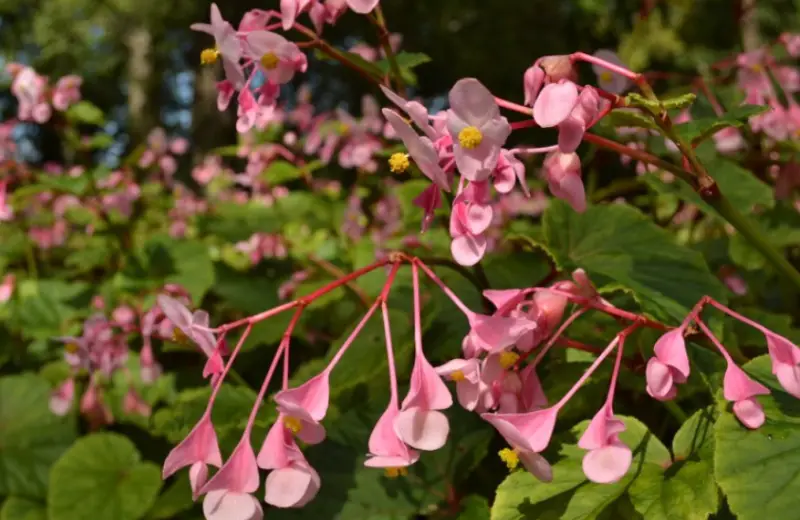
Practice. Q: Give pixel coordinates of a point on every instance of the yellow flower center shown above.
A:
(507, 359)
(606, 76)
(180, 337)
(510, 457)
(457, 376)
(470, 137)
(395, 472)
(71, 347)
(757, 68)
(293, 423)
(269, 61)
(208, 56)
(399, 162)
(344, 128)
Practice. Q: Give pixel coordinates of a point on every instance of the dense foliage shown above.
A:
(343, 272)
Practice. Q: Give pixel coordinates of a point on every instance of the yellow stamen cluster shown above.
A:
(507, 359)
(71, 347)
(395, 472)
(470, 137)
(179, 337)
(208, 56)
(606, 76)
(457, 376)
(399, 162)
(270, 61)
(293, 424)
(510, 457)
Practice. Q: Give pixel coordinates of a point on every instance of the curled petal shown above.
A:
(749, 412)
(293, 486)
(554, 104)
(659, 378)
(228, 505)
(607, 464)
(425, 430)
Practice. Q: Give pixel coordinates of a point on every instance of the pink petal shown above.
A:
(239, 473)
(608, 464)
(738, 386)
(468, 393)
(570, 134)
(789, 378)
(467, 250)
(425, 430)
(670, 349)
(362, 6)
(176, 312)
(228, 505)
(199, 446)
(536, 465)
(570, 189)
(596, 434)
(782, 351)
(528, 431)
(554, 104)
(749, 412)
(532, 83)
(501, 297)
(313, 396)
(293, 486)
(427, 390)
(495, 333)
(383, 441)
(533, 396)
(473, 102)
(659, 377)
(479, 218)
(274, 453)
(198, 476)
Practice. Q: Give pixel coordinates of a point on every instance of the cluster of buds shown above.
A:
(36, 99)
(495, 378)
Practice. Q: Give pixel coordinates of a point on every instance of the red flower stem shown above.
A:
(639, 156)
(450, 294)
(283, 348)
(734, 314)
(228, 367)
(302, 301)
(528, 123)
(522, 109)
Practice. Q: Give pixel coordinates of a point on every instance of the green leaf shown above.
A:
(474, 507)
(686, 489)
(193, 266)
(176, 499)
(102, 477)
(630, 118)
(759, 470)
(16, 508)
(674, 103)
(280, 172)
(570, 496)
(406, 62)
(679, 102)
(621, 249)
(31, 436)
(85, 112)
(698, 130)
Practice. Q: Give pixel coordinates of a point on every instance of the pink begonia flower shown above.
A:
(532, 396)
(292, 482)
(62, 397)
(7, 287)
(728, 140)
(420, 423)
(740, 389)
(328, 12)
(527, 434)
(149, 369)
(466, 374)
(509, 170)
(563, 174)
(227, 47)
(660, 383)
(498, 332)
(362, 6)
(29, 89)
(276, 56)
(420, 148)
(429, 201)
(555, 103)
(194, 327)
(6, 211)
(608, 458)
(67, 91)
(532, 82)
(290, 10)
(94, 407)
(133, 403)
(785, 357)
(571, 129)
(386, 448)
(607, 80)
(670, 349)
(416, 111)
(229, 505)
(197, 450)
(305, 406)
(477, 128)
(235, 480)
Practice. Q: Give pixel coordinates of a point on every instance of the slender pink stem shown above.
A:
(715, 341)
(450, 294)
(389, 355)
(522, 109)
(695, 312)
(552, 341)
(257, 317)
(588, 58)
(617, 363)
(739, 317)
(528, 123)
(228, 366)
(417, 310)
(532, 150)
(588, 373)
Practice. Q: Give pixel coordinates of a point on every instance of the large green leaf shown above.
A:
(685, 490)
(759, 470)
(102, 477)
(16, 508)
(621, 249)
(570, 496)
(31, 436)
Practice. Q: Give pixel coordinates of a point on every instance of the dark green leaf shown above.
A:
(16, 508)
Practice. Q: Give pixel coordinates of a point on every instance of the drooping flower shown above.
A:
(276, 56)
(194, 327)
(227, 46)
(62, 397)
(555, 103)
(292, 481)
(386, 448)
(608, 458)
(740, 389)
(466, 374)
(420, 148)
(785, 357)
(563, 174)
(305, 406)
(528, 434)
(477, 128)
(197, 450)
